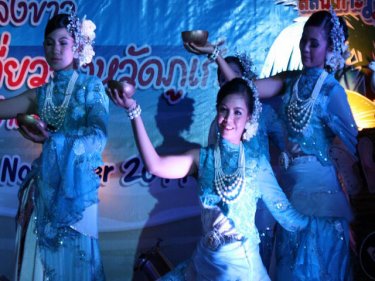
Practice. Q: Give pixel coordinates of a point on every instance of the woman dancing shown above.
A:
(315, 111)
(231, 179)
(57, 237)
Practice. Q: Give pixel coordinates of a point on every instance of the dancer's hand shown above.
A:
(36, 131)
(121, 93)
(207, 49)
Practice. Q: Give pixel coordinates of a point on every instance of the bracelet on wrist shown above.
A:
(213, 56)
(134, 112)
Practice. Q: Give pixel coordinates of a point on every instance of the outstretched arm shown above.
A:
(20, 106)
(267, 87)
(277, 202)
(23, 103)
(339, 118)
(176, 166)
(172, 166)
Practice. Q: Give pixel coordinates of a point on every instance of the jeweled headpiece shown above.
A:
(84, 35)
(249, 75)
(335, 59)
(247, 65)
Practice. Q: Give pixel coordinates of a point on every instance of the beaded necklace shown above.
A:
(229, 187)
(299, 111)
(54, 115)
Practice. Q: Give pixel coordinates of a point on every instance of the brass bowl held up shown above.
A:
(198, 37)
(126, 87)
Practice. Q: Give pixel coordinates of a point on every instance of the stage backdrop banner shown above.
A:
(140, 41)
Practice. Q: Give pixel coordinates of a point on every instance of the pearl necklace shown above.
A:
(229, 187)
(299, 111)
(54, 115)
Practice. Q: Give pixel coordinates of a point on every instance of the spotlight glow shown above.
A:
(363, 109)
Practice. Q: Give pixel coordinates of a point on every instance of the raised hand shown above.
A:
(207, 49)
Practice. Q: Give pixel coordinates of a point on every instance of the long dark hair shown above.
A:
(323, 19)
(237, 86)
(56, 22)
(234, 60)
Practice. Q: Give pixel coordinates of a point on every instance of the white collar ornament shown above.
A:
(54, 115)
(229, 187)
(299, 111)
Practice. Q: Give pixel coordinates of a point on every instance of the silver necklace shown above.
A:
(229, 187)
(54, 115)
(299, 111)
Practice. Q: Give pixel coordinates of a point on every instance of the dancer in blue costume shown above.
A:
(232, 177)
(315, 111)
(57, 237)
(270, 127)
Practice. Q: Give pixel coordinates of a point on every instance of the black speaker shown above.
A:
(153, 263)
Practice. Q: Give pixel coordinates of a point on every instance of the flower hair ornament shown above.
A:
(251, 127)
(249, 75)
(335, 59)
(84, 35)
(247, 65)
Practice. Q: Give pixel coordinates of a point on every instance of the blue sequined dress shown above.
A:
(57, 218)
(228, 249)
(312, 185)
(270, 128)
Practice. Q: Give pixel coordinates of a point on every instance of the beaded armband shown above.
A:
(134, 112)
(213, 56)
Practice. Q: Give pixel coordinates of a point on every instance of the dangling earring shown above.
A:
(217, 127)
(330, 62)
(217, 132)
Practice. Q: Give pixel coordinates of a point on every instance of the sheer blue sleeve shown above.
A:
(87, 133)
(277, 202)
(71, 155)
(339, 118)
(274, 127)
(91, 137)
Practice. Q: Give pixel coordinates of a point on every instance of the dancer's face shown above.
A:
(58, 49)
(232, 115)
(313, 47)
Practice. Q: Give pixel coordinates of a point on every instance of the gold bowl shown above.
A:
(122, 87)
(198, 37)
(32, 123)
